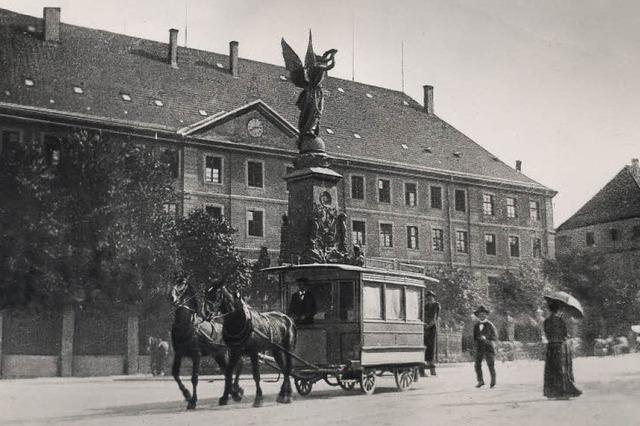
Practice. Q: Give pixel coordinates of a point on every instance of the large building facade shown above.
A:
(416, 190)
(608, 225)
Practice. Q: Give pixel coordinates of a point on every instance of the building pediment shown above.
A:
(254, 123)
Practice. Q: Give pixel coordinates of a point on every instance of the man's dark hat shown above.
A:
(481, 309)
(429, 293)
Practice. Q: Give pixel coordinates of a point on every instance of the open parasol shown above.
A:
(569, 302)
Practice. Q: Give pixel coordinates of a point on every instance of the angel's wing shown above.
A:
(310, 58)
(293, 64)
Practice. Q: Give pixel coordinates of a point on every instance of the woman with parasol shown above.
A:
(558, 365)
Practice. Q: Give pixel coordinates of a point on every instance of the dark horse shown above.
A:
(195, 337)
(248, 332)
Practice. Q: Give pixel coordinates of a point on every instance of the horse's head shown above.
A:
(226, 301)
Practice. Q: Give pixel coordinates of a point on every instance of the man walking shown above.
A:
(431, 314)
(484, 336)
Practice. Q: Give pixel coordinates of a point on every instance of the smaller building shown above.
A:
(609, 223)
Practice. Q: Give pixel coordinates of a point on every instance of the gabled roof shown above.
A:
(617, 200)
(122, 77)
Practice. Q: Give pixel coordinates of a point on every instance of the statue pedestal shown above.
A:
(308, 186)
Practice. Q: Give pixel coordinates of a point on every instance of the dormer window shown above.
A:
(219, 65)
(340, 89)
(29, 82)
(405, 103)
(283, 78)
(369, 95)
(78, 90)
(330, 131)
(158, 102)
(357, 136)
(202, 112)
(457, 154)
(125, 97)
(404, 146)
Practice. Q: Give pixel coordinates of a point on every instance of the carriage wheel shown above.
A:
(347, 384)
(404, 378)
(368, 381)
(303, 386)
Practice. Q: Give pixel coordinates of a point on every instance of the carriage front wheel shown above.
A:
(404, 378)
(346, 384)
(303, 386)
(368, 381)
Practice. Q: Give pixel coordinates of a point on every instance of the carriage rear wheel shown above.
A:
(303, 386)
(368, 381)
(404, 378)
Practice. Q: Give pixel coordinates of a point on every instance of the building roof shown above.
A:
(129, 80)
(617, 200)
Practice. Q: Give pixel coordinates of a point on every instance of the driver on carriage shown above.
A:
(303, 305)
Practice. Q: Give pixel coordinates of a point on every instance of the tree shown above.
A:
(207, 252)
(520, 291)
(459, 294)
(82, 219)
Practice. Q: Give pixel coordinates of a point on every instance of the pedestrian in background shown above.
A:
(558, 365)
(484, 336)
(431, 315)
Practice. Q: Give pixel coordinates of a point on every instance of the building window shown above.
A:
(359, 232)
(512, 207)
(591, 240)
(386, 235)
(614, 234)
(490, 244)
(537, 248)
(9, 143)
(384, 190)
(214, 211)
(52, 150)
(170, 208)
(213, 169)
(254, 174)
(462, 245)
(487, 204)
(514, 246)
(436, 197)
(255, 223)
(357, 187)
(170, 158)
(437, 239)
(412, 237)
(534, 210)
(460, 200)
(411, 194)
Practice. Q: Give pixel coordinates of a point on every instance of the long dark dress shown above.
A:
(558, 366)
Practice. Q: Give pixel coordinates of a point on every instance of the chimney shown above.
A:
(51, 17)
(518, 166)
(634, 163)
(173, 47)
(428, 99)
(233, 58)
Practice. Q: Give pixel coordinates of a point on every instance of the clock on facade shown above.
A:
(255, 128)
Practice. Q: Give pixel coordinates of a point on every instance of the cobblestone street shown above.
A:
(611, 386)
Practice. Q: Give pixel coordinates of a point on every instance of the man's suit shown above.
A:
(485, 336)
(303, 307)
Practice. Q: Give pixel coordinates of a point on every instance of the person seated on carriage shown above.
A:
(303, 303)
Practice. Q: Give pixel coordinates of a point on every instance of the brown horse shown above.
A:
(248, 332)
(195, 337)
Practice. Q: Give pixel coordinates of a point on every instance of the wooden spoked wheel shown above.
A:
(347, 384)
(404, 378)
(368, 381)
(303, 386)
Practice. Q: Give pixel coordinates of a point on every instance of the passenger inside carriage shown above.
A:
(303, 306)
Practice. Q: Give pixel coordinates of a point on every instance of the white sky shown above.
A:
(553, 83)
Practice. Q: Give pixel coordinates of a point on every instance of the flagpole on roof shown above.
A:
(186, 21)
(402, 63)
(353, 46)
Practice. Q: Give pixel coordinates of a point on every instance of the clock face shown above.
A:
(255, 128)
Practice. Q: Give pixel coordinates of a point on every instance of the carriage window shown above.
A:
(393, 303)
(413, 304)
(347, 307)
(372, 300)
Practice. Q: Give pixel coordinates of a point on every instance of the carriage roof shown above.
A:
(370, 272)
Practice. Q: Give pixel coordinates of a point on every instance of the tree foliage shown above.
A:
(82, 219)
(520, 292)
(207, 252)
(459, 294)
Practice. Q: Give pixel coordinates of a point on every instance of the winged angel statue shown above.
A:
(309, 77)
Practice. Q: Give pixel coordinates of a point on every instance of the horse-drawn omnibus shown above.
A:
(367, 322)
